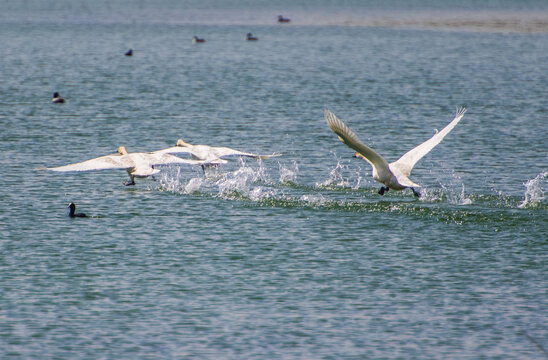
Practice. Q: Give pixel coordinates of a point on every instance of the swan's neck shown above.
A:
(181, 143)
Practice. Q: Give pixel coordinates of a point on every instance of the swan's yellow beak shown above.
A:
(359, 156)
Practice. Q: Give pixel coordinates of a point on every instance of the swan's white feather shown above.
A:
(128, 161)
(394, 175)
(409, 159)
(209, 153)
(351, 140)
(115, 161)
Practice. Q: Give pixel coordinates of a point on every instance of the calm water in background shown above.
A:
(297, 256)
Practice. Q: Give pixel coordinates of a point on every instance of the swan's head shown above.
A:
(181, 143)
(122, 150)
(71, 206)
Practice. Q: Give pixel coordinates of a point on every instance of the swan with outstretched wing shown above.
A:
(396, 174)
(137, 165)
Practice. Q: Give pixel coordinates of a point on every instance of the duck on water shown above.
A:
(72, 211)
(57, 99)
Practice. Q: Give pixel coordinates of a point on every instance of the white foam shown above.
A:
(289, 175)
(335, 178)
(534, 192)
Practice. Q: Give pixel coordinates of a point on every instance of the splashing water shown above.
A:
(289, 175)
(316, 199)
(335, 178)
(169, 179)
(193, 185)
(534, 193)
(359, 179)
(452, 189)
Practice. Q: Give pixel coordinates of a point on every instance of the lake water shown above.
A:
(294, 257)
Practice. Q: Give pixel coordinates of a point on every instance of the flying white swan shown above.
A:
(208, 153)
(396, 174)
(137, 165)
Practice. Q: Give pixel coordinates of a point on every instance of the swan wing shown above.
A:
(222, 152)
(198, 152)
(205, 152)
(156, 158)
(351, 140)
(101, 163)
(174, 150)
(409, 159)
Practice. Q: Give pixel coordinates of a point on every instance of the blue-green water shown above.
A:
(297, 256)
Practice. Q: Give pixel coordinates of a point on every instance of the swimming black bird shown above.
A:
(282, 20)
(129, 53)
(57, 98)
(250, 37)
(72, 208)
(196, 39)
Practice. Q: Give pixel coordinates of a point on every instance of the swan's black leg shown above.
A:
(383, 189)
(210, 169)
(416, 193)
(132, 178)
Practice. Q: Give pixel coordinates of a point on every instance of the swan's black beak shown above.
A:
(356, 155)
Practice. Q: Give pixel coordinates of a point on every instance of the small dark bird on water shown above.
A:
(57, 99)
(196, 39)
(72, 210)
(282, 20)
(129, 53)
(250, 37)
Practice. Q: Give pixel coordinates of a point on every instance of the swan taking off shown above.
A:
(137, 165)
(396, 174)
(209, 153)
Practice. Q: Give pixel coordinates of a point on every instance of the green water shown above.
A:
(291, 257)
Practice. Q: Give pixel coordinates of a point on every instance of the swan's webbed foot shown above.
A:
(383, 189)
(129, 183)
(416, 193)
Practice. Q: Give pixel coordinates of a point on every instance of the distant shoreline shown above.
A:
(488, 21)
(502, 21)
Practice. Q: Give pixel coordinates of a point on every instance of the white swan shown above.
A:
(137, 165)
(396, 174)
(208, 153)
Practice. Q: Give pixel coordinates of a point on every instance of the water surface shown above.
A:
(292, 257)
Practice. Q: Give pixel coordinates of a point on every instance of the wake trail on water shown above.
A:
(343, 190)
